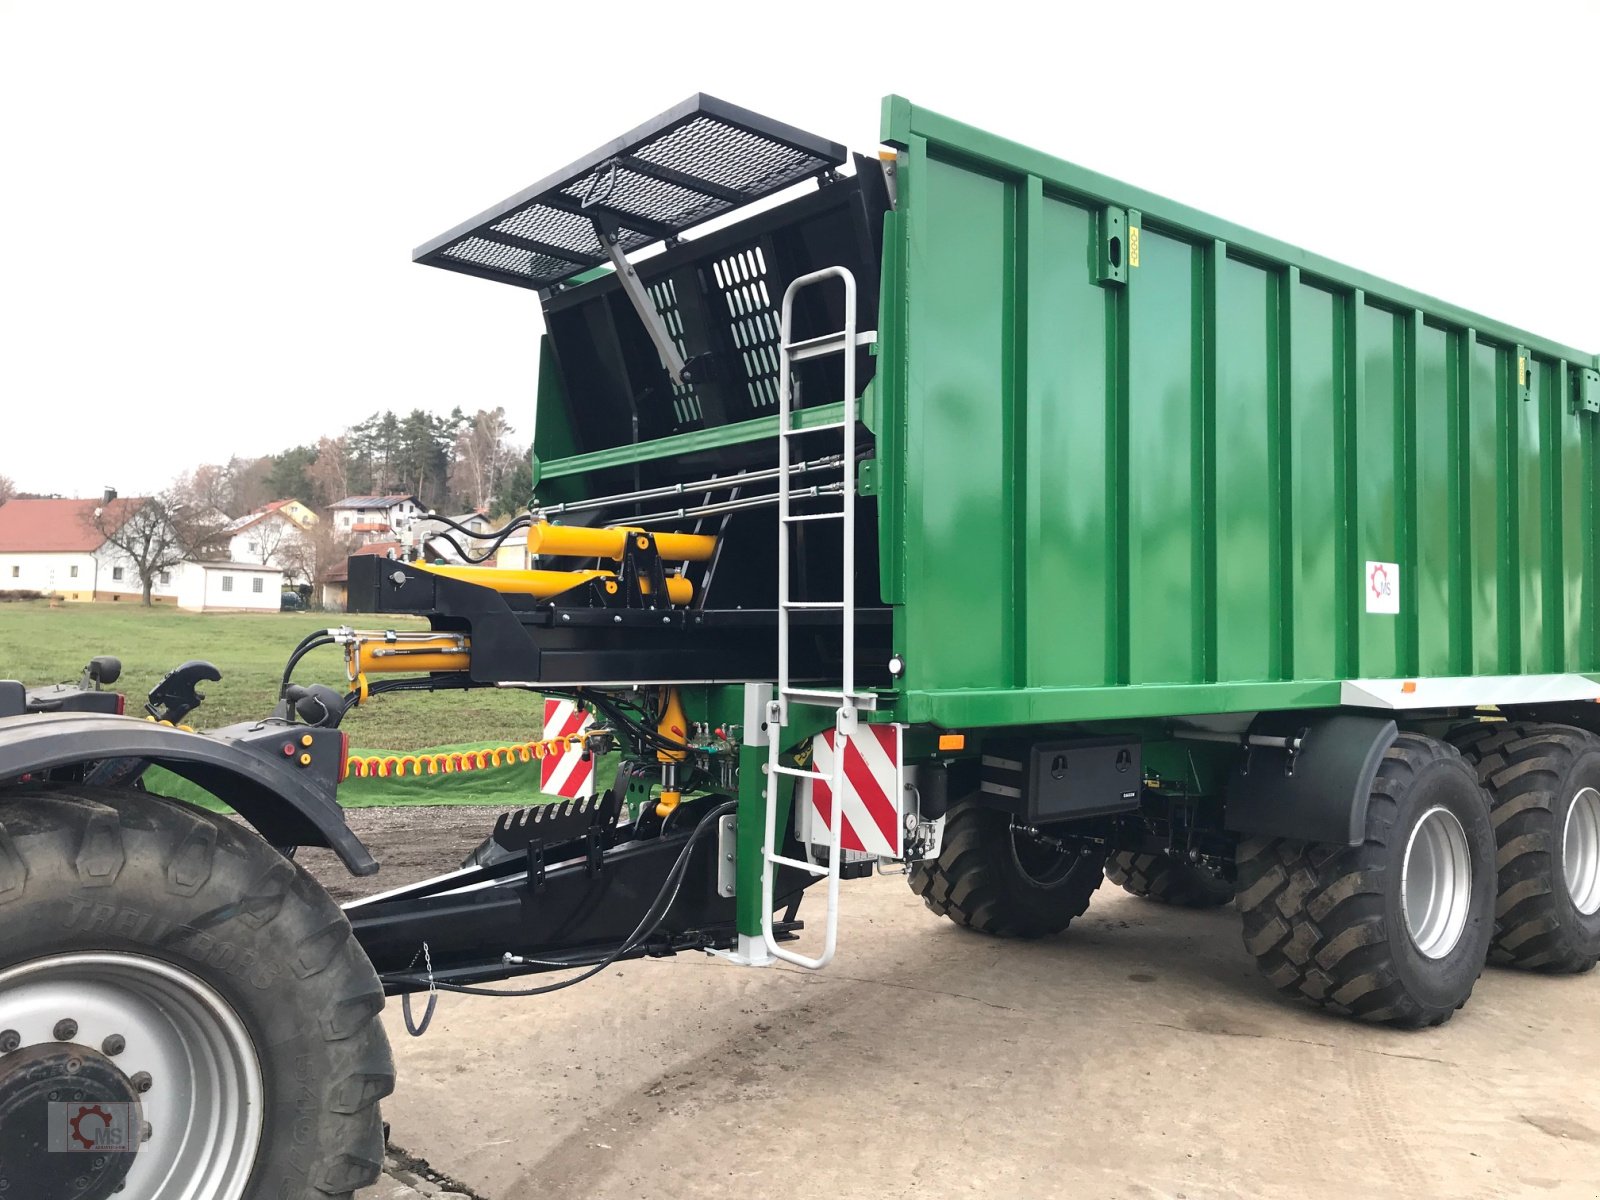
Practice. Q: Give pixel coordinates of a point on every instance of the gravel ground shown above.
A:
(1139, 1055)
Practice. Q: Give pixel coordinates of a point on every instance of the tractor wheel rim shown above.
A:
(1436, 883)
(201, 1096)
(1580, 851)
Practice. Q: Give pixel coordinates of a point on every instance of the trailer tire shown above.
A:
(1169, 879)
(123, 902)
(1338, 925)
(1544, 790)
(989, 878)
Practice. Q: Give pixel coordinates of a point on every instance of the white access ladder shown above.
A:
(844, 698)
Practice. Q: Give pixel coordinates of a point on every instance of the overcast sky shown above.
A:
(208, 209)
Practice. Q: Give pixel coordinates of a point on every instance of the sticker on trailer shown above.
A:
(569, 774)
(874, 791)
(1383, 587)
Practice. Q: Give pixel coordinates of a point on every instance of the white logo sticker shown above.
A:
(1383, 587)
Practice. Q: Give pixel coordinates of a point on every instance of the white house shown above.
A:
(375, 518)
(271, 536)
(228, 587)
(53, 546)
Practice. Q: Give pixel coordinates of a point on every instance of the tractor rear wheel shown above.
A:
(1169, 879)
(1396, 929)
(1544, 785)
(177, 993)
(997, 878)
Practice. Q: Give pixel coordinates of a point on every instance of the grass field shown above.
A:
(40, 644)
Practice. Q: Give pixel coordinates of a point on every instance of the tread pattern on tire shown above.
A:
(1167, 880)
(1522, 766)
(967, 884)
(1314, 912)
(88, 828)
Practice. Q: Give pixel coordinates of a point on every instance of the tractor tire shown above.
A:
(1544, 788)
(1169, 879)
(146, 939)
(989, 878)
(1394, 930)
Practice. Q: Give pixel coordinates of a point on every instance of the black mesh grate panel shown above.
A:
(696, 161)
(563, 230)
(731, 157)
(511, 259)
(631, 194)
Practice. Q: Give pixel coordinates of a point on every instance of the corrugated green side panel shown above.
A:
(1126, 487)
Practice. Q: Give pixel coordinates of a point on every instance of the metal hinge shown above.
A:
(1586, 390)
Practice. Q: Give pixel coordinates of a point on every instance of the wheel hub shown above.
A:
(64, 1111)
(173, 1094)
(1580, 851)
(1436, 883)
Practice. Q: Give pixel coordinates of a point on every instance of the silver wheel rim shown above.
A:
(204, 1103)
(1580, 851)
(1436, 883)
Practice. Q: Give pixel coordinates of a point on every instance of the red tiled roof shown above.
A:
(56, 526)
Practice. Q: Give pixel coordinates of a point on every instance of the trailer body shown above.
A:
(1133, 461)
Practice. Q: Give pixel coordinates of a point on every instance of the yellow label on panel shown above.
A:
(1133, 246)
(1522, 370)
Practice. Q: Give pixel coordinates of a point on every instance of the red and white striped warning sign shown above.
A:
(873, 790)
(569, 773)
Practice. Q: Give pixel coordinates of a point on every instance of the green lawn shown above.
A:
(40, 644)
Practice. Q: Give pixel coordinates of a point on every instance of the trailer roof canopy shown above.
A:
(698, 160)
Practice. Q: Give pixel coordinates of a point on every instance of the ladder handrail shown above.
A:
(778, 709)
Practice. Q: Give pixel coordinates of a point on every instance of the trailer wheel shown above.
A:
(1169, 879)
(172, 977)
(996, 879)
(1544, 786)
(1394, 930)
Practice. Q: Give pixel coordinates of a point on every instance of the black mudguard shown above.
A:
(1317, 793)
(255, 768)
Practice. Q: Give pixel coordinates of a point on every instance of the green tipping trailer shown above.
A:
(953, 509)
(1100, 534)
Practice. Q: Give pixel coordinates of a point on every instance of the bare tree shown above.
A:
(329, 472)
(316, 552)
(7, 488)
(482, 457)
(157, 533)
(270, 535)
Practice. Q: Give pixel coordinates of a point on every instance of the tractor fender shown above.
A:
(280, 778)
(1317, 793)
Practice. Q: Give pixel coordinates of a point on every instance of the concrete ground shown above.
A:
(1139, 1055)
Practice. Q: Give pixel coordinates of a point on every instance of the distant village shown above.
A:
(184, 547)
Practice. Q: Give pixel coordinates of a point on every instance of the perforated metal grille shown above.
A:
(753, 320)
(730, 156)
(686, 410)
(511, 259)
(696, 161)
(634, 195)
(562, 229)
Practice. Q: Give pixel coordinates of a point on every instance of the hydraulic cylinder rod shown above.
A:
(579, 541)
(544, 584)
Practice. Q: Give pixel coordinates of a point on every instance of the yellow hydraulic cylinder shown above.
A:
(375, 655)
(544, 584)
(579, 541)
